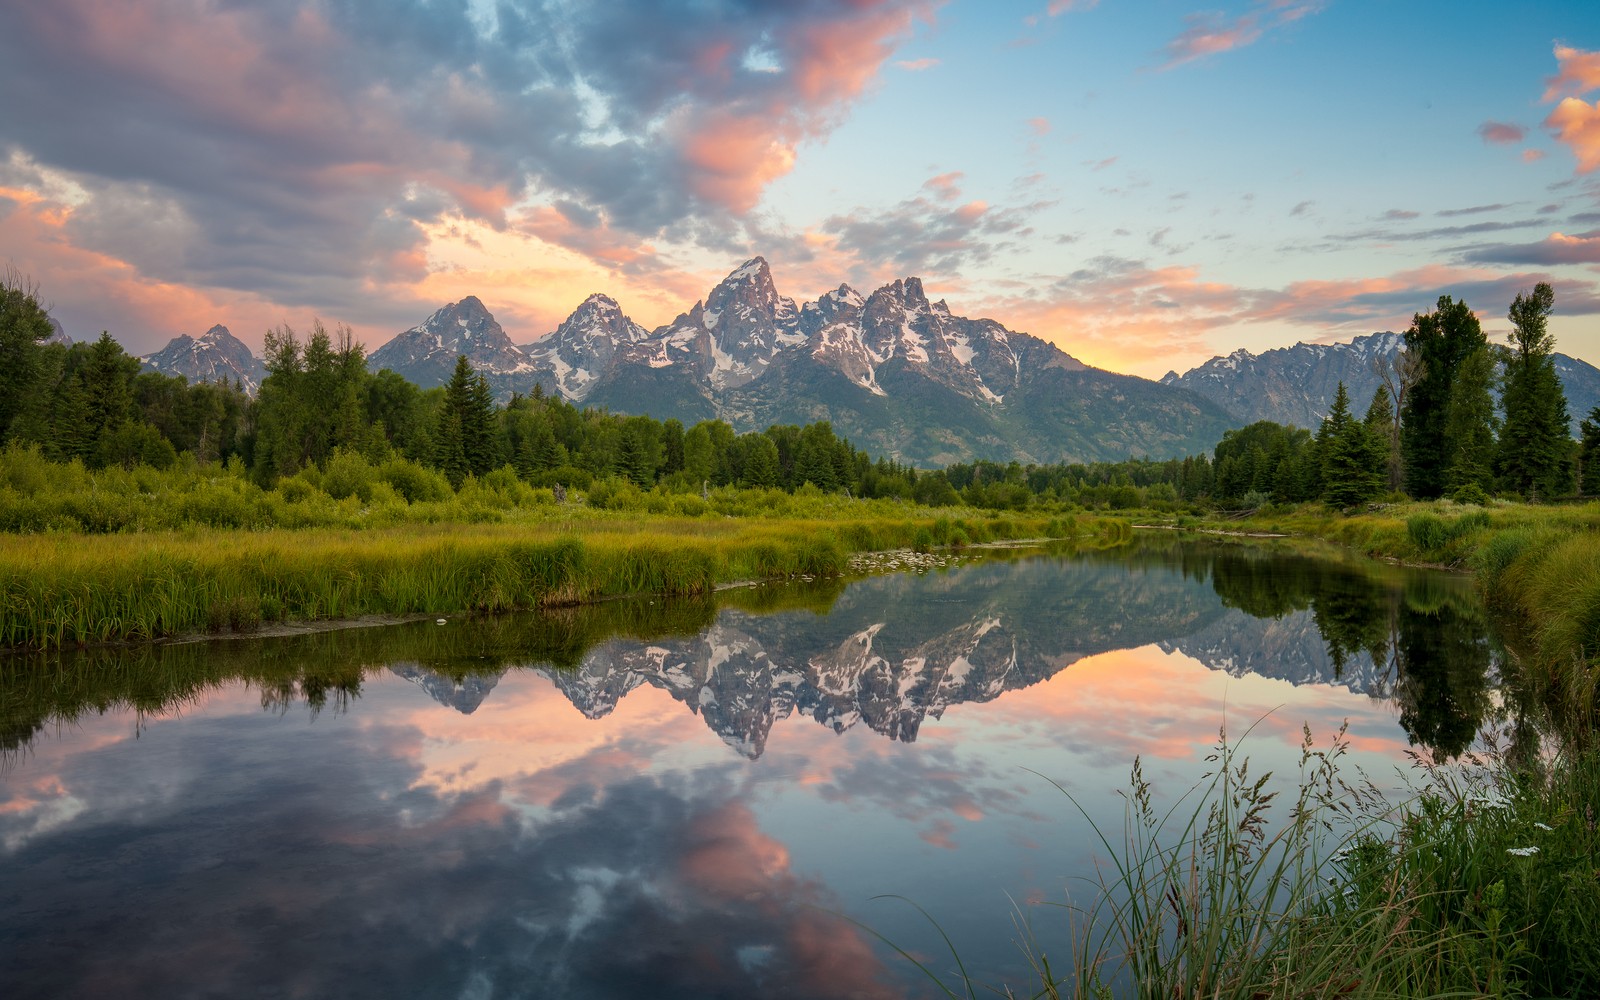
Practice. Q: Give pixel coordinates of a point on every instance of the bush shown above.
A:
(1427, 532)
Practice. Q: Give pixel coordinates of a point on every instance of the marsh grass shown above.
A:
(61, 589)
(1480, 883)
(1538, 568)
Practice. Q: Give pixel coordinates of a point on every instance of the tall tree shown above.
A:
(24, 326)
(1589, 454)
(1469, 427)
(1439, 342)
(1351, 456)
(465, 442)
(1398, 372)
(1535, 447)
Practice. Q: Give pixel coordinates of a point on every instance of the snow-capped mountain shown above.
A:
(584, 347)
(897, 374)
(57, 334)
(214, 356)
(426, 354)
(1296, 385)
(897, 651)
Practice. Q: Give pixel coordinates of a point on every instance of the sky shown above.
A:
(1145, 184)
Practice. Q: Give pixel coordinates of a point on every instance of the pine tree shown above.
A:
(1437, 343)
(1534, 448)
(24, 326)
(1589, 454)
(1469, 429)
(1351, 456)
(1381, 423)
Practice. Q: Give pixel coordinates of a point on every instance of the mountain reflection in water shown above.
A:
(886, 652)
(508, 846)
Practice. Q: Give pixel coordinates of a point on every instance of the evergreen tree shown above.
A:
(464, 439)
(1380, 421)
(1589, 454)
(1436, 343)
(1351, 456)
(1535, 445)
(24, 326)
(760, 462)
(1469, 429)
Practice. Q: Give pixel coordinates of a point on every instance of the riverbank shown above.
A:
(1538, 568)
(1485, 883)
(70, 588)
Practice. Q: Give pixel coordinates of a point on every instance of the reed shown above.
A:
(69, 588)
(1480, 883)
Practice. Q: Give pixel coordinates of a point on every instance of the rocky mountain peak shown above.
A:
(215, 356)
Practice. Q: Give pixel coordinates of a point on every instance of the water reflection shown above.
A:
(886, 653)
(608, 801)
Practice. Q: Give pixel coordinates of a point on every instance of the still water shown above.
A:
(723, 798)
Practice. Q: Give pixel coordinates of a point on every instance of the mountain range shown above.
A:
(214, 356)
(896, 651)
(1296, 385)
(899, 375)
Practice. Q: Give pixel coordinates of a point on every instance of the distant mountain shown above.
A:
(214, 356)
(1296, 385)
(426, 354)
(57, 334)
(897, 374)
(895, 651)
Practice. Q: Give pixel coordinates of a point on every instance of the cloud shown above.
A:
(1575, 121)
(1301, 208)
(1532, 155)
(1039, 126)
(454, 893)
(1059, 7)
(1577, 72)
(1557, 248)
(930, 233)
(1501, 133)
(302, 152)
(1213, 33)
(1399, 214)
(916, 65)
(1449, 213)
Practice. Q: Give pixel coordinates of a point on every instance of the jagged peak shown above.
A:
(754, 268)
(217, 332)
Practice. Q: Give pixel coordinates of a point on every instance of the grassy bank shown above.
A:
(67, 588)
(1537, 566)
(1483, 885)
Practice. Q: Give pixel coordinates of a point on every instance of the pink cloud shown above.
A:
(1532, 155)
(1039, 126)
(1501, 133)
(1576, 123)
(916, 65)
(1058, 7)
(1211, 34)
(1577, 72)
(945, 187)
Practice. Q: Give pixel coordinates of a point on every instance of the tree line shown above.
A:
(90, 402)
(1431, 430)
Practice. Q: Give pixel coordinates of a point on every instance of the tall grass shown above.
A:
(67, 588)
(1480, 884)
(1538, 568)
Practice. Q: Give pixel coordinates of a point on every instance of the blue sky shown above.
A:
(1145, 185)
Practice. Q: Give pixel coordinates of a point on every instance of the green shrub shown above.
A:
(1427, 531)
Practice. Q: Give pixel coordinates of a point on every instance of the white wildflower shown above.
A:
(1522, 852)
(1545, 828)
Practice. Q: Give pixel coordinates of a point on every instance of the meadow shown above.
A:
(114, 556)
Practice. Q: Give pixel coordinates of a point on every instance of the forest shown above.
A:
(324, 422)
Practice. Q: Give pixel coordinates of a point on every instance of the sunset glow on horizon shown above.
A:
(1143, 185)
